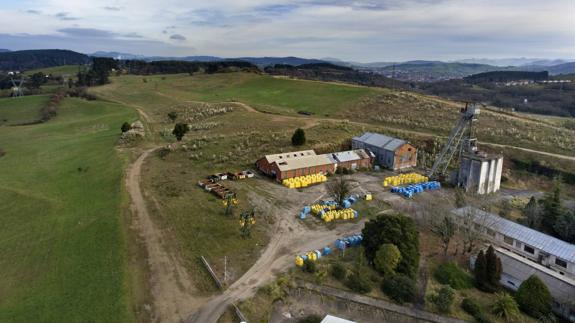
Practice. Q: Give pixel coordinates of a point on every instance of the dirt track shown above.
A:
(172, 288)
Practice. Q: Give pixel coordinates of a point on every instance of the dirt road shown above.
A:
(289, 237)
(172, 289)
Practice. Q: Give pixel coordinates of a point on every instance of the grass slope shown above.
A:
(70, 70)
(62, 248)
(21, 110)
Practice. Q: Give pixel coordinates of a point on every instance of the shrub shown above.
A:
(400, 288)
(473, 309)
(443, 299)
(534, 298)
(338, 271)
(125, 127)
(505, 307)
(359, 283)
(309, 266)
(2, 152)
(312, 318)
(298, 137)
(173, 115)
(180, 129)
(450, 274)
(387, 258)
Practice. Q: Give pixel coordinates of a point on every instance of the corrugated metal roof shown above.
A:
(534, 238)
(345, 156)
(334, 319)
(381, 141)
(303, 162)
(289, 155)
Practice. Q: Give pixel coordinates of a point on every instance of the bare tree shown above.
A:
(476, 225)
(339, 189)
(445, 229)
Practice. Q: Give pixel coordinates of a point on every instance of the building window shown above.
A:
(508, 240)
(490, 232)
(529, 249)
(560, 262)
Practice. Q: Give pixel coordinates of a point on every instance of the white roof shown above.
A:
(290, 155)
(303, 162)
(344, 156)
(534, 238)
(333, 319)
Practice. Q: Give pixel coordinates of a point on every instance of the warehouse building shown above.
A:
(294, 164)
(392, 153)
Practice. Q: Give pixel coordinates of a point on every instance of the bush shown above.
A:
(443, 299)
(180, 129)
(313, 318)
(2, 152)
(400, 288)
(473, 309)
(125, 127)
(387, 258)
(309, 266)
(338, 271)
(359, 283)
(450, 274)
(298, 137)
(505, 307)
(534, 298)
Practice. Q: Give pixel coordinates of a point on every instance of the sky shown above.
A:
(352, 30)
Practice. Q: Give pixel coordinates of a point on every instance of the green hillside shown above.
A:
(21, 110)
(62, 247)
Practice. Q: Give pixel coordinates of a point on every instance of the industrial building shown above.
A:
(307, 162)
(480, 173)
(352, 159)
(525, 252)
(392, 153)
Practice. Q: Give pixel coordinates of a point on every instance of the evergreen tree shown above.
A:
(565, 227)
(180, 130)
(534, 298)
(552, 207)
(480, 270)
(298, 137)
(493, 268)
(125, 127)
(387, 258)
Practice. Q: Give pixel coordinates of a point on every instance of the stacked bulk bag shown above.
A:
(410, 190)
(404, 179)
(304, 181)
(313, 255)
(345, 214)
(349, 241)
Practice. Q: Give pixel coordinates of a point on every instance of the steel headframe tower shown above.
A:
(16, 85)
(461, 140)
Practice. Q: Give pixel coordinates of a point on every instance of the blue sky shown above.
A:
(358, 30)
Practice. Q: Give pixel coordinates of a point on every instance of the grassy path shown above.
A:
(63, 252)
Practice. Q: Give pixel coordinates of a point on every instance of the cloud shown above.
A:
(178, 37)
(112, 8)
(65, 16)
(132, 35)
(87, 32)
(34, 12)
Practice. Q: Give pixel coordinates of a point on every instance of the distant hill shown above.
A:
(507, 76)
(514, 61)
(2, 50)
(32, 59)
(433, 70)
(565, 68)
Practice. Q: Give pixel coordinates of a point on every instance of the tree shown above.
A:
(532, 213)
(230, 203)
(358, 282)
(493, 268)
(126, 126)
(470, 236)
(399, 230)
(338, 271)
(339, 190)
(505, 307)
(565, 227)
(552, 207)
(445, 230)
(443, 299)
(387, 258)
(309, 266)
(400, 288)
(173, 115)
(298, 138)
(460, 197)
(36, 80)
(180, 129)
(480, 270)
(534, 298)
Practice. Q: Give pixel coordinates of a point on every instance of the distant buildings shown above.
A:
(389, 152)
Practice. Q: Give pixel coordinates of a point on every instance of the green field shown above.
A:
(63, 252)
(265, 93)
(70, 70)
(21, 110)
